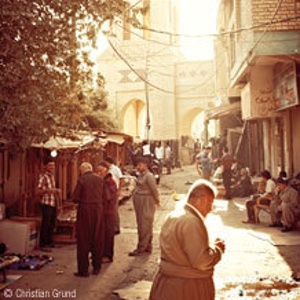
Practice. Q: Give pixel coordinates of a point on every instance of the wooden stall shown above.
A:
(68, 155)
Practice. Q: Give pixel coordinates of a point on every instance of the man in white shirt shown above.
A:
(159, 155)
(168, 158)
(265, 198)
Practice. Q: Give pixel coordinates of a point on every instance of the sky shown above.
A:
(198, 17)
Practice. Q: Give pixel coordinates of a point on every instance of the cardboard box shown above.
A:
(36, 220)
(19, 237)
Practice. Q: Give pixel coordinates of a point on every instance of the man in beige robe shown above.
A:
(145, 198)
(187, 260)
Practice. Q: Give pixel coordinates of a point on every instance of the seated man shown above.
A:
(264, 197)
(284, 207)
(244, 187)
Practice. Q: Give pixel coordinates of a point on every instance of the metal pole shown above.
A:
(148, 122)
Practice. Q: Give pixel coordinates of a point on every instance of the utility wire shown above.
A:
(134, 71)
(267, 26)
(194, 87)
(141, 37)
(263, 24)
(132, 6)
(170, 92)
(260, 38)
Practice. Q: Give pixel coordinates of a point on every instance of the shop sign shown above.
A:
(257, 95)
(285, 87)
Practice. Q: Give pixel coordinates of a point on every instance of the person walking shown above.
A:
(116, 175)
(145, 198)
(187, 260)
(88, 194)
(110, 200)
(49, 193)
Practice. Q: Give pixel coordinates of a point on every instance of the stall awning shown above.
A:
(223, 110)
(81, 140)
(64, 143)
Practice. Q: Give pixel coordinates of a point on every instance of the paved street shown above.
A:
(257, 257)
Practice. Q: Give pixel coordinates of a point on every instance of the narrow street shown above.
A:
(257, 264)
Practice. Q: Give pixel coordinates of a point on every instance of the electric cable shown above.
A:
(134, 71)
(259, 40)
(194, 87)
(218, 34)
(132, 6)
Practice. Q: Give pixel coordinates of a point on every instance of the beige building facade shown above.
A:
(258, 52)
(155, 92)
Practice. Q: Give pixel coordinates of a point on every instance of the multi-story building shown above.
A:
(258, 53)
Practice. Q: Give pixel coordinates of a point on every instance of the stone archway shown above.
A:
(188, 119)
(188, 137)
(132, 118)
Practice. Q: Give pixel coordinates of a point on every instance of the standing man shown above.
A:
(168, 158)
(88, 195)
(109, 205)
(197, 148)
(187, 260)
(226, 161)
(116, 173)
(48, 192)
(203, 163)
(159, 155)
(144, 200)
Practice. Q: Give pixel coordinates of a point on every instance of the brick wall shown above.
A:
(263, 11)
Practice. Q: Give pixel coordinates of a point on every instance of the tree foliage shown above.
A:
(45, 71)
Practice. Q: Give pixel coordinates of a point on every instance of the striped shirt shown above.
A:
(47, 181)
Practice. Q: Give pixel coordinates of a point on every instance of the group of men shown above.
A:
(97, 211)
(187, 257)
(205, 167)
(161, 152)
(96, 199)
(281, 198)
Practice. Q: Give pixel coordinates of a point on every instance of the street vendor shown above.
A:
(49, 194)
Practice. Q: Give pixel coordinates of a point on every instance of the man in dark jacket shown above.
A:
(226, 161)
(110, 202)
(88, 194)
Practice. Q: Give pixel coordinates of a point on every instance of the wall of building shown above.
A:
(178, 90)
(295, 125)
(251, 54)
(264, 11)
(12, 180)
